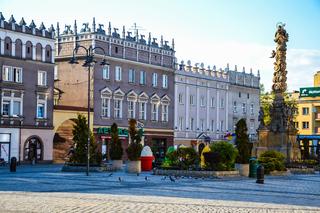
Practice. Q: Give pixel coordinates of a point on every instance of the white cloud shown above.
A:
(301, 63)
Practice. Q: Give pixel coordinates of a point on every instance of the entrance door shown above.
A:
(159, 148)
(33, 149)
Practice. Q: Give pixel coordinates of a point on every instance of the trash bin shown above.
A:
(13, 164)
(146, 159)
(253, 165)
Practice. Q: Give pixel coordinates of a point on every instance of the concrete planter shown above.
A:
(302, 171)
(75, 168)
(134, 166)
(243, 169)
(117, 165)
(198, 174)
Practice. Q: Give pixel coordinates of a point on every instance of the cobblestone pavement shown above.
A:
(45, 189)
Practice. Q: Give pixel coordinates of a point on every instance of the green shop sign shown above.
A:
(310, 92)
(107, 131)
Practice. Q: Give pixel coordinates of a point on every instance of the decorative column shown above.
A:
(43, 54)
(1, 46)
(23, 50)
(34, 52)
(13, 49)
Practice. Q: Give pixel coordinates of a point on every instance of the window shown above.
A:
(296, 125)
(305, 125)
(48, 53)
(41, 106)
(142, 77)
(11, 103)
(164, 81)
(116, 49)
(212, 125)
(251, 109)
(28, 50)
(221, 125)
(239, 94)
(105, 108)
(154, 79)
(248, 96)
(42, 78)
(106, 72)
(191, 99)
(305, 111)
(221, 103)
(7, 46)
(131, 109)
(132, 76)
(13, 74)
(180, 98)
(180, 123)
(154, 112)
(201, 125)
(212, 102)
(165, 113)
(202, 101)
(244, 109)
(118, 75)
(143, 111)
(235, 107)
(191, 123)
(117, 108)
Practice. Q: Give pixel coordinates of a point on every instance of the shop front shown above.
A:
(9, 144)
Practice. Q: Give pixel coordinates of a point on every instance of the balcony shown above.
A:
(317, 116)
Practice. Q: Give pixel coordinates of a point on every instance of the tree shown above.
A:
(116, 150)
(135, 147)
(242, 142)
(80, 138)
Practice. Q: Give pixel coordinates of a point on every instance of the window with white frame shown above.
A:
(142, 77)
(244, 108)
(212, 102)
(118, 73)
(202, 125)
(41, 106)
(42, 78)
(143, 111)
(165, 109)
(221, 103)
(154, 112)
(13, 74)
(191, 100)
(180, 123)
(212, 125)
(132, 76)
(251, 109)
(106, 72)
(131, 109)
(154, 79)
(234, 106)
(180, 98)
(202, 101)
(164, 81)
(117, 108)
(105, 107)
(12, 103)
(191, 124)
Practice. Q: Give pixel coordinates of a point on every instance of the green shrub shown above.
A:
(242, 142)
(221, 157)
(272, 160)
(116, 150)
(182, 158)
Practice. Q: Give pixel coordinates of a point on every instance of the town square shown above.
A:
(171, 106)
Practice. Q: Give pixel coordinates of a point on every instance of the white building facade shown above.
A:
(204, 103)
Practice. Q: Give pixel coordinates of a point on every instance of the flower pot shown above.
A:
(243, 169)
(116, 164)
(134, 166)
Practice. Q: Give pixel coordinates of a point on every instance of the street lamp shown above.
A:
(89, 62)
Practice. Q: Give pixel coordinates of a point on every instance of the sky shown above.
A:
(238, 32)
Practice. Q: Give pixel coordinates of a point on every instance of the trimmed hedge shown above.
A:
(272, 160)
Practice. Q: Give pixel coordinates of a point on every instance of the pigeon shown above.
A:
(172, 180)
(120, 180)
(146, 178)
(110, 175)
(138, 174)
(164, 177)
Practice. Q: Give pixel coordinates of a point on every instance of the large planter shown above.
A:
(243, 169)
(134, 166)
(117, 165)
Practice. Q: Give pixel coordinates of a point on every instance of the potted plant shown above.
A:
(134, 149)
(243, 146)
(116, 150)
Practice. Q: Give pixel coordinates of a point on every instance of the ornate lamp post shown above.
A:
(88, 62)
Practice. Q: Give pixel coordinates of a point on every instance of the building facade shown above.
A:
(208, 103)
(27, 70)
(138, 82)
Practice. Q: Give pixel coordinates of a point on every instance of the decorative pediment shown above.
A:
(118, 94)
(155, 98)
(106, 93)
(165, 99)
(143, 96)
(132, 96)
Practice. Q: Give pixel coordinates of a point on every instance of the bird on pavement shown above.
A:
(146, 178)
(120, 180)
(172, 180)
(110, 175)
(138, 174)
(164, 177)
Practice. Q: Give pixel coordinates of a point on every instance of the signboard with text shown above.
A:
(310, 92)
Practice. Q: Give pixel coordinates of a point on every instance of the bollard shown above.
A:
(260, 174)
(13, 164)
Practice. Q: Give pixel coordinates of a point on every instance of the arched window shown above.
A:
(18, 48)
(7, 46)
(33, 149)
(48, 53)
(38, 52)
(29, 50)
